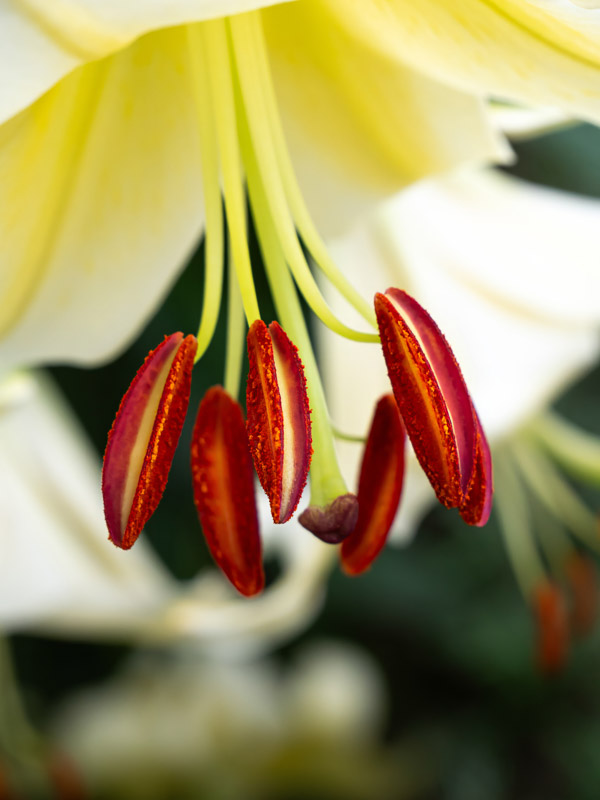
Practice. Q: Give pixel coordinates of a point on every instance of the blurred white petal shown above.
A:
(228, 726)
(53, 550)
(335, 692)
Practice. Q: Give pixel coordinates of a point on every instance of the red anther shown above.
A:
(477, 503)
(65, 778)
(435, 406)
(279, 430)
(143, 438)
(552, 622)
(223, 480)
(582, 577)
(379, 489)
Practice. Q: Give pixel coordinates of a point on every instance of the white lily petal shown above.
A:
(54, 552)
(100, 204)
(335, 693)
(361, 125)
(41, 41)
(530, 249)
(538, 52)
(184, 719)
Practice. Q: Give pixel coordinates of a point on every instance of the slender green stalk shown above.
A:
(236, 335)
(555, 494)
(576, 451)
(327, 482)
(214, 34)
(266, 160)
(299, 211)
(515, 524)
(214, 245)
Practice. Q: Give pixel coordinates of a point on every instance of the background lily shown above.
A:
(180, 724)
(490, 250)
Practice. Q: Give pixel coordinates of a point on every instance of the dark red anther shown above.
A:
(279, 430)
(379, 489)
(223, 481)
(582, 577)
(143, 438)
(435, 406)
(552, 623)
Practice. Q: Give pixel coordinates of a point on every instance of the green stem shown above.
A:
(515, 524)
(555, 494)
(274, 195)
(577, 451)
(236, 336)
(299, 211)
(327, 482)
(214, 33)
(214, 245)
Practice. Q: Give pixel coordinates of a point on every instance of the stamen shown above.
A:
(213, 251)
(223, 480)
(278, 423)
(214, 34)
(142, 441)
(576, 450)
(515, 524)
(435, 405)
(326, 481)
(555, 494)
(582, 577)
(379, 489)
(552, 621)
(236, 334)
(262, 147)
(298, 209)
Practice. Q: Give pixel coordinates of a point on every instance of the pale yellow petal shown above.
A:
(41, 41)
(359, 123)
(543, 52)
(100, 204)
